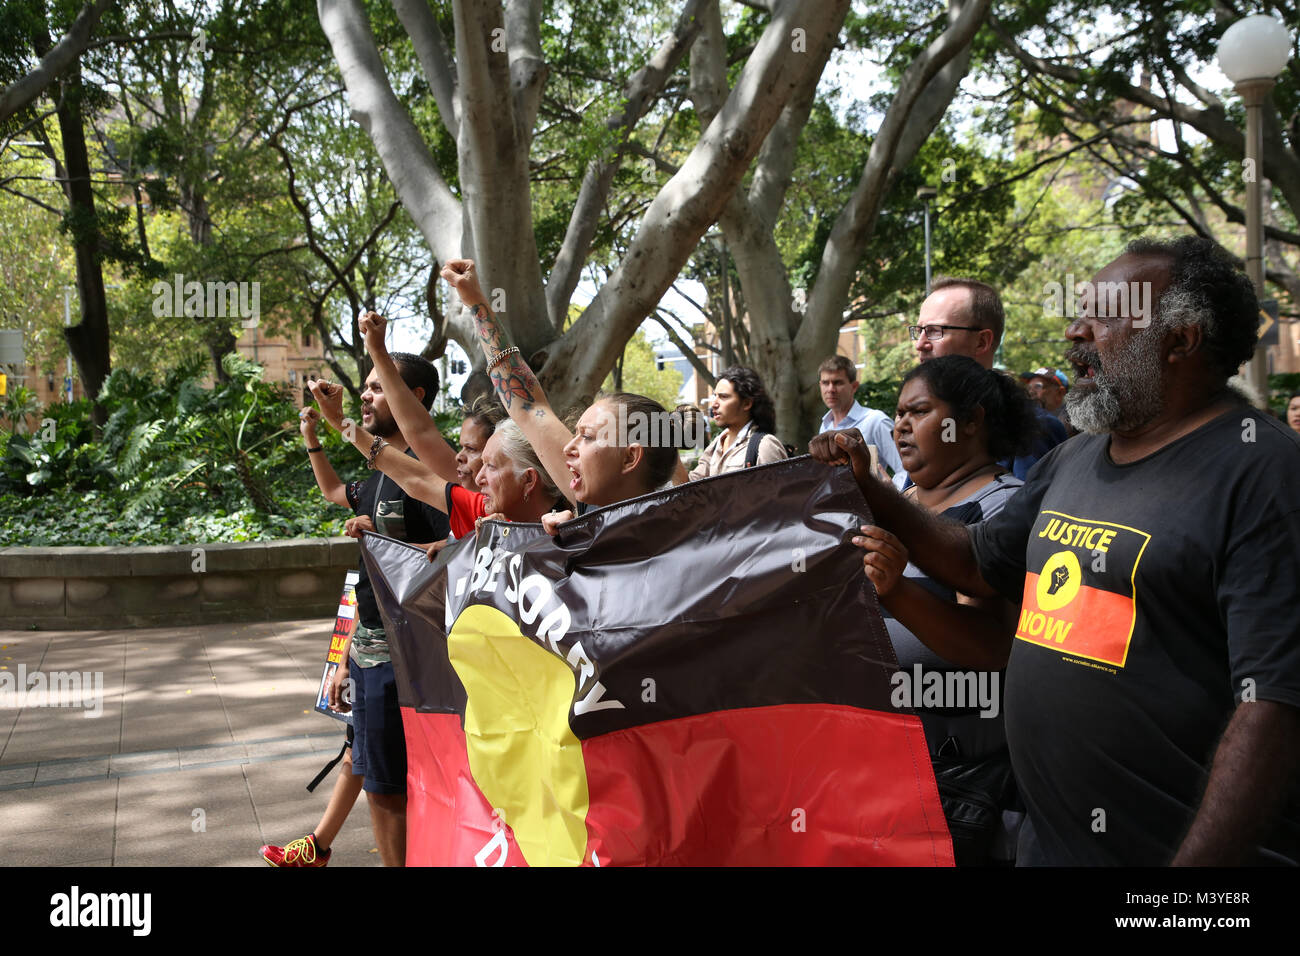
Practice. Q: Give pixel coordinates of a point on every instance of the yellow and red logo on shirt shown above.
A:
(1081, 600)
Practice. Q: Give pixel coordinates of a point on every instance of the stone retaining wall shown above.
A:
(72, 588)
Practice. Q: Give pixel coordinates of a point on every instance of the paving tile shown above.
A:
(163, 731)
(167, 810)
(207, 755)
(251, 715)
(274, 719)
(217, 785)
(291, 819)
(355, 845)
(227, 841)
(285, 781)
(330, 744)
(18, 647)
(281, 678)
(15, 775)
(8, 720)
(136, 762)
(57, 807)
(46, 739)
(296, 746)
(60, 847)
(72, 770)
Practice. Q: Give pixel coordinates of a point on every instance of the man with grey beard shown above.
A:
(1153, 685)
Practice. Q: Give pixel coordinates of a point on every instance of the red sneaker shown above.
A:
(303, 852)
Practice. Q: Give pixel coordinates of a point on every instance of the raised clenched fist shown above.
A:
(462, 276)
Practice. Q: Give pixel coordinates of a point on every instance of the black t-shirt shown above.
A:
(1154, 594)
(397, 515)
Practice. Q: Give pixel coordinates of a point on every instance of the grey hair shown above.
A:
(1181, 307)
(1208, 290)
(516, 448)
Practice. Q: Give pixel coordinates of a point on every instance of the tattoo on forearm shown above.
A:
(489, 331)
(513, 379)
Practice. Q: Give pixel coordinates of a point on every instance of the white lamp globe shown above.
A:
(1254, 48)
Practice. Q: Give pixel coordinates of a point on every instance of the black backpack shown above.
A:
(751, 453)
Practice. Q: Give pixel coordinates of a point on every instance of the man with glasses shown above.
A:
(959, 317)
(965, 317)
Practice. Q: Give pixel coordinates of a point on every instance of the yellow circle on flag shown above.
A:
(1059, 581)
(524, 756)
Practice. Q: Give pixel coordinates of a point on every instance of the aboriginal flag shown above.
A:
(695, 677)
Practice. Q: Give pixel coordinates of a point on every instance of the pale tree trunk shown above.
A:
(749, 218)
(642, 89)
(495, 136)
(410, 166)
(487, 97)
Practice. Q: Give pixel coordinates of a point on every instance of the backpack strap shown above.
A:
(751, 453)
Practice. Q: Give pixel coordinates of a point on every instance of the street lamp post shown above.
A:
(925, 194)
(1252, 52)
(67, 322)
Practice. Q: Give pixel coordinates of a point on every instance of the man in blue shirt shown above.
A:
(838, 379)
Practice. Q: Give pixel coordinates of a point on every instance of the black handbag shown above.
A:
(973, 794)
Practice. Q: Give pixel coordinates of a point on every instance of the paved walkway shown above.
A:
(201, 753)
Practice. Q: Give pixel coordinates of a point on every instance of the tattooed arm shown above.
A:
(515, 384)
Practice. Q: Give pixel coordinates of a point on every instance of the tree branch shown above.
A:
(405, 155)
(494, 174)
(922, 88)
(687, 350)
(641, 91)
(528, 69)
(1212, 121)
(798, 38)
(434, 56)
(21, 94)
